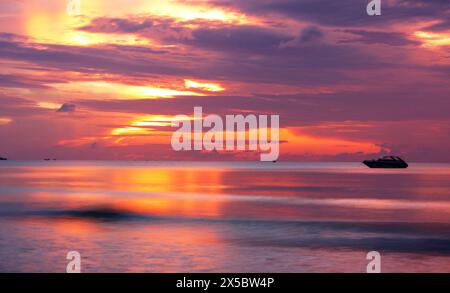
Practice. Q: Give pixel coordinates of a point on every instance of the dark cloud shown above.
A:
(12, 106)
(310, 64)
(66, 107)
(88, 59)
(150, 27)
(379, 37)
(346, 13)
(114, 25)
(310, 34)
(224, 38)
(443, 25)
(384, 104)
(363, 82)
(406, 122)
(237, 38)
(20, 81)
(261, 54)
(12, 37)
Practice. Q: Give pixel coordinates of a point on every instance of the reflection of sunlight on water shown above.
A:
(201, 191)
(210, 217)
(120, 246)
(74, 227)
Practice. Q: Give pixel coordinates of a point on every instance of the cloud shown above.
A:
(66, 107)
(13, 37)
(440, 26)
(379, 37)
(117, 25)
(308, 35)
(314, 62)
(12, 106)
(26, 82)
(250, 39)
(348, 13)
(204, 35)
(88, 59)
(309, 64)
(149, 27)
(254, 53)
(382, 104)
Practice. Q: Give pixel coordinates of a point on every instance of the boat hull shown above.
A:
(390, 165)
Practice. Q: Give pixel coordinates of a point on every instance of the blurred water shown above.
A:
(223, 217)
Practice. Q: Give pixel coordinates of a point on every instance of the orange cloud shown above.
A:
(297, 143)
(123, 91)
(211, 87)
(433, 39)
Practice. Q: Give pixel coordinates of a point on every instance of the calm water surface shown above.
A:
(222, 217)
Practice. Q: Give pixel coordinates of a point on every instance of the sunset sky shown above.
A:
(105, 84)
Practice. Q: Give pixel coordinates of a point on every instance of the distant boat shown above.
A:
(3, 159)
(386, 162)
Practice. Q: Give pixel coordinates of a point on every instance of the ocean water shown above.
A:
(223, 217)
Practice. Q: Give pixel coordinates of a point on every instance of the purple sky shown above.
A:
(103, 84)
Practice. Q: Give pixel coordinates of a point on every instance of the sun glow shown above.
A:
(57, 27)
(4, 120)
(143, 124)
(218, 15)
(123, 91)
(212, 87)
(158, 92)
(156, 120)
(318, 145)
(130, 131)
(186, 11)
(52, 24)
(49, 105)
(433, 39)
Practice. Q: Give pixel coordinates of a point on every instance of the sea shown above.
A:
(137, 216)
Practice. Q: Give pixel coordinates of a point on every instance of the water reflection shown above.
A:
(219, 216)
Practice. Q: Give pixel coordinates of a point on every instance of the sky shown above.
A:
(105, 83)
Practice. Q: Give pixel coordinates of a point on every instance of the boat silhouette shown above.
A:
(3, 159)
(386, 162)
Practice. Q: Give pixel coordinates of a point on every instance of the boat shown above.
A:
(386, 162)
(3, 159)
